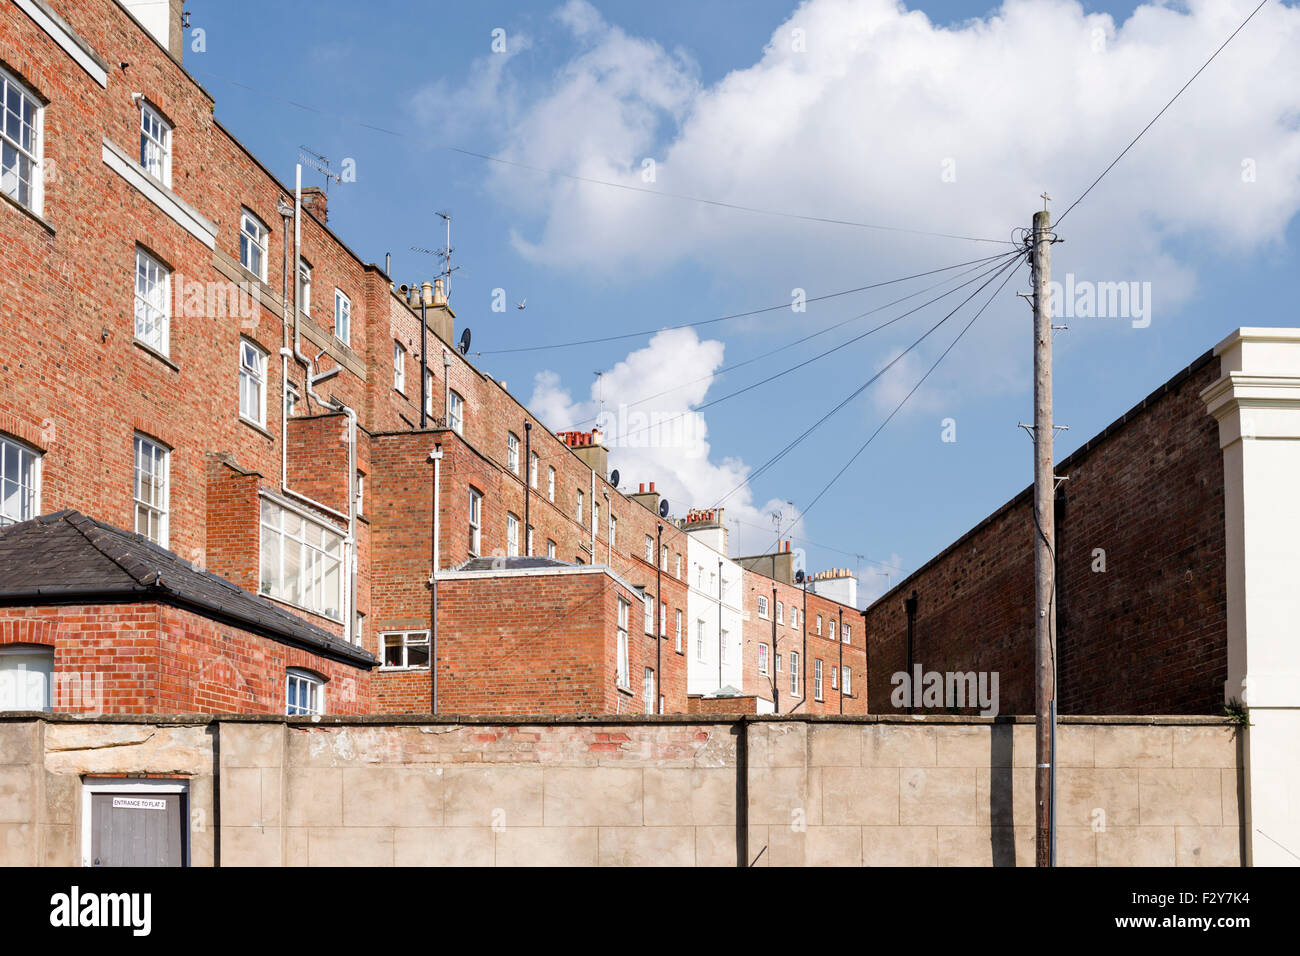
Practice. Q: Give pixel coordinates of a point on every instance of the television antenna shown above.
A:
(321, 164)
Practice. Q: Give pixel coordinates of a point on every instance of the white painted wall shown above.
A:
(1257, 404)
(702, 604)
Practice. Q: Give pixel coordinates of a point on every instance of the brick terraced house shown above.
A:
(199, 370)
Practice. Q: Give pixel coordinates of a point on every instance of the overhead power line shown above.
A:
(1125, 150)
(860, 389)
(736, 315)
(992, 270)
(796, 342)
(872, 437)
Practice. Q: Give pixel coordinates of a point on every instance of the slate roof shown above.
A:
(65, 556)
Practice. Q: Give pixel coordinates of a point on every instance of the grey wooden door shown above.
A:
(137, 829)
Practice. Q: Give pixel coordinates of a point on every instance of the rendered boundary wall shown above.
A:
(268, 791)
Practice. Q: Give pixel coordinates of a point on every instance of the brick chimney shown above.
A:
(316, 202)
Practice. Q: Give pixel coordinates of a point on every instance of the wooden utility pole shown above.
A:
(1044, 536)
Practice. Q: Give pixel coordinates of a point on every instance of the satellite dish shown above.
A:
(798, 577)
(613, 477)
(464, 342)
(663, 508)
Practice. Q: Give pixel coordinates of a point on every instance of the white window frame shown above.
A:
(155, 144)
(834, 629)
(819, 623)
(550, 549)
(622, 675)
(252, 375)
(20, 481)
(456, 411)
(677, 645)
(722, 644)
(846, 634)
(835, 677)
(11, 180)
(648, 600)
(794, 674)
(153, 302)
(550, 484)
(10, 698)
(700, 639)
(534, 468)
(417, 639)
(298, 677)
(846, 681)
(399, 367)
(321, 550)
(304, 285)
(512, 534)
(582, 507)
(762, 659)
(613, 530)
(648, 689)
(780, 613)
(663, 557)
(679, 566)
(155, 508)
(254, 238)
(428, 392)
(512, 452)
(762, 606)
(649, 550)
(663, 618)
(475, 521)
(342, 317)
(817, 679)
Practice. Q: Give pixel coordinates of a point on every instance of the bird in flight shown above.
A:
(522, 304)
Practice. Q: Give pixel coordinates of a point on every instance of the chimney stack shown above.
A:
(439, 293)
(316, 202)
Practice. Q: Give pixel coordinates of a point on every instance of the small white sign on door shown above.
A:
(138, 803)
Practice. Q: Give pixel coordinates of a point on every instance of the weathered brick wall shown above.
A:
(1145, 636)
(143, 658)
(649, 791)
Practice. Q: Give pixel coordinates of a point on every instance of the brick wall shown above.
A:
(146, 658)
(1146, 635)
(810, 642)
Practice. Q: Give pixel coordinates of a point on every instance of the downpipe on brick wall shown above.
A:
(310, 380)
(435, 456)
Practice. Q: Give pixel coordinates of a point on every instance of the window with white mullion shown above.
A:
(405, 649)
(20, 482)
(301, 561)
(155, 145)
(152, 302)
(252, 382)
(253, 235)
(151, 491)
(21, 118)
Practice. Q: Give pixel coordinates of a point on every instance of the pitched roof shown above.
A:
(64, 556)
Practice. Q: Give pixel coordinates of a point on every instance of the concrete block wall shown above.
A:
(686, 791)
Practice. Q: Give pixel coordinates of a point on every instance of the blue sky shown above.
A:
(917, 117)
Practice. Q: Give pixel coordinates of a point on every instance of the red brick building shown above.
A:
(803, 651)
(1141, 576)
(166, 375)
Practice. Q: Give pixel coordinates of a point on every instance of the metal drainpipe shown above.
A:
(590, 517)
(528, 485)
(350, 517)
(659, 641)
(909, 605)
(435, 456)
(446, 390)
(778, 708)
(720, 681)
(840, 632)
(805, 632)
(424, 360)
